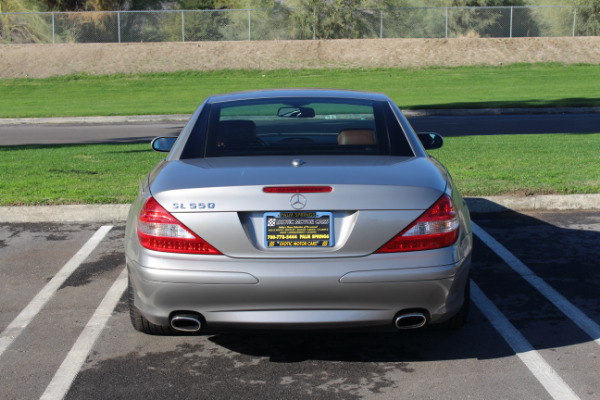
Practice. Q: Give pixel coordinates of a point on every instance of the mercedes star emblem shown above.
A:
(298, 201)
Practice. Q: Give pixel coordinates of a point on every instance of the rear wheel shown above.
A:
(140, 323)
(457, 321)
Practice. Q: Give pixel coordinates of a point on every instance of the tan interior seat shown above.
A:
(356, 137)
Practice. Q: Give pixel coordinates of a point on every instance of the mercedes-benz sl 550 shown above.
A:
(298, 209)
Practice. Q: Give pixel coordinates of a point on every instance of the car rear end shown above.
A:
(251, 237)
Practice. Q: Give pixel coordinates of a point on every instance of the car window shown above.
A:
(300, 126)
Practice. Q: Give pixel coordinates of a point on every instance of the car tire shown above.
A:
(140, 323)
(458, 320)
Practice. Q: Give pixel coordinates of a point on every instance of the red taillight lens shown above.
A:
(158, 230)
(436, 228)
(297, 189)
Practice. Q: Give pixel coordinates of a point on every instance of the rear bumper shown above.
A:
(293, 293)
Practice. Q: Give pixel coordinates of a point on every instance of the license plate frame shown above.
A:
(298, 229)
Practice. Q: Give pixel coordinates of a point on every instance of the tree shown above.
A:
(479, 22)
(588, 18)
(102, 5)
(31, 28)
(409, 18)
(215, 22)
(207, 25)
(19, 6)
(333, 19)
(65, 5)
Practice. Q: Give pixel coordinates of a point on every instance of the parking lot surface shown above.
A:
(532, 333)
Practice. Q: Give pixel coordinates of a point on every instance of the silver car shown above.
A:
(298, 209)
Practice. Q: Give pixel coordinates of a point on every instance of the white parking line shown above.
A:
(543, 372)
(16, 327)
(573, 313)
(66, 373)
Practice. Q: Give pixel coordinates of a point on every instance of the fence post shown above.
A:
(446, 22)
(380, 24)
(182, 26)
(249, 29)
(511, 21)
(119, 25)
(314, 24)
(53, 28)
(574, 19)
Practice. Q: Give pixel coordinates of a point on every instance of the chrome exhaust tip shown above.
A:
(410, 321)
(186, 322)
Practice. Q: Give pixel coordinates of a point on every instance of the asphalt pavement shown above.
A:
(533, 330)
(448, 123)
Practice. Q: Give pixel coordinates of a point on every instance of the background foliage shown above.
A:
(335, 5)
(590, 17)
(290, 19)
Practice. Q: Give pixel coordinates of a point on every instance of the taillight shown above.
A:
(159, 230)
(436, 228)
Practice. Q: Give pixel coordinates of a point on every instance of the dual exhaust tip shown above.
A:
(191, 322)
(411, 320)
(186, 322)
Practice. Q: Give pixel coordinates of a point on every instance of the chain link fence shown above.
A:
(292, 24)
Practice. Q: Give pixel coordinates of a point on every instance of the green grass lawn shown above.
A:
(516, 85)
(523, 164)
(480, 165)
(73, 174)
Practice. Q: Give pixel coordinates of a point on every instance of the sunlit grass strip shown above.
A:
(523, 164)
(480, 165)
(516, 85)
(73, 174)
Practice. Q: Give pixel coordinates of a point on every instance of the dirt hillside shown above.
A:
(38, 61)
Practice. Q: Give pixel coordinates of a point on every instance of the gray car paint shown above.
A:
(373, 199)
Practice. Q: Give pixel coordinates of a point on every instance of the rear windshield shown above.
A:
(303, 127)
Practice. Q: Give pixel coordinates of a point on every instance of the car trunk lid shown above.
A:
(371, 199)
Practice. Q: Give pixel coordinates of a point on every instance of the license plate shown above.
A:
(298, 229)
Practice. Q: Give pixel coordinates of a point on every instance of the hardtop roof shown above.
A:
(287, 93)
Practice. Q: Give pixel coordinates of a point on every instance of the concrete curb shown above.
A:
(66, 213)
(118, 212)
(572, 202)
(184, 117)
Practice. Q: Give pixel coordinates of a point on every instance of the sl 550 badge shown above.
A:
(193, 206)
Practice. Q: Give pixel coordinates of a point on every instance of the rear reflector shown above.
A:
(160, 231)
(436, 228)
(297, 189)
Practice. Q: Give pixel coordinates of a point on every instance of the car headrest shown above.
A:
(356, 137)
(237, 134)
